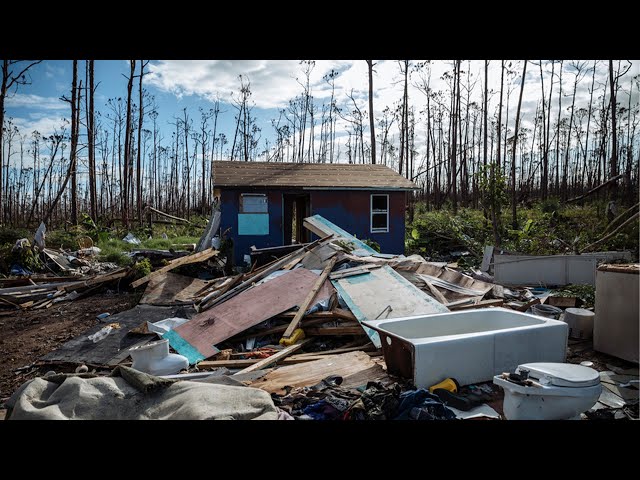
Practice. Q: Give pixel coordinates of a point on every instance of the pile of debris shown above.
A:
(307, 328)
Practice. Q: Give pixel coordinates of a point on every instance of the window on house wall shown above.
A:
(379, 213)
(253, 216)
(253, 203)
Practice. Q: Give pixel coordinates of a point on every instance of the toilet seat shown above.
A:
(562, 374)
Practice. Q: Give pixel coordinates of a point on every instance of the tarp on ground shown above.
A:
(135, 395)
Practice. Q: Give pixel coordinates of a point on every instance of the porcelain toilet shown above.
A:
(566, 390)
(154, 358)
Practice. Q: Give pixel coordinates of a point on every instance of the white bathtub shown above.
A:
(471, 346)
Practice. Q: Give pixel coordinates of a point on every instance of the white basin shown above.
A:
(471, 346)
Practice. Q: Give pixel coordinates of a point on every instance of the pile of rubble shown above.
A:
(318, 329)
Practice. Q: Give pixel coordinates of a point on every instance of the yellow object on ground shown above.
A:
(298, 334)
(449, 384)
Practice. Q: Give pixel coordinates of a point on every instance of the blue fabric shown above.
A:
(422, 405)
(322, 410)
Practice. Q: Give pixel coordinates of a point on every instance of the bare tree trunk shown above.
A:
(514, 217)
(127, 149)
(75, 103)
(371, 125)
(72, 152)
(614, 143)
(138, 160)
(91, 141)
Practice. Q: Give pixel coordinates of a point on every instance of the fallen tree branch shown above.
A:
(619, 217)
(606, 237)
(594, 190)
(167, 215)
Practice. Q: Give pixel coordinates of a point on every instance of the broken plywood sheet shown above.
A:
(196, 339)
(310, 373)
(544, 270)
(383, 293)
(318, 257)
(323, 227)
(114, 348)
(172, 289)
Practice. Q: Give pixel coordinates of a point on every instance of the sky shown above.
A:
(194, 84)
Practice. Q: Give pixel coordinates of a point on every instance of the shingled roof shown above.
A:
(308, 175)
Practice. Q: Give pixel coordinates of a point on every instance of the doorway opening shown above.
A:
(296, 208)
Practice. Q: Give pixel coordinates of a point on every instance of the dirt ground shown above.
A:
(27, 336)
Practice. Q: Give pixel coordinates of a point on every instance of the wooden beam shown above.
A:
(167, 215)
(285, 352)
(261, 274)
(193, 258)
(367, 347)
(348, 272)
(438, 296)
(309, 298)
(334, 331)
(482, 304)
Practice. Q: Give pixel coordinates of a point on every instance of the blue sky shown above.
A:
(193, 84)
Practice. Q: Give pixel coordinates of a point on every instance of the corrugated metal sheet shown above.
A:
(315, 175)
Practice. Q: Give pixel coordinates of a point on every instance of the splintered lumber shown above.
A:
(261, 273)
(310, 373)
(436, 293)
(306, 322)
(197, 338)
(481, 304)
(367, 347)
(359, 270)
(285, 352)
(334, 331)
(193, 258)
(218, 292)
(171, 289)
(304, 306)
(321, 227)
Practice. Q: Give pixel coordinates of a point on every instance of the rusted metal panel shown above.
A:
(399, 355)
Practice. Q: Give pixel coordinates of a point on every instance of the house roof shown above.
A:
(309, 176)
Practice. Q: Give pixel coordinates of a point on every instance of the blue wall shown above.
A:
(349, 209)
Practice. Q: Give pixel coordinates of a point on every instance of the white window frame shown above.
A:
(378, 211)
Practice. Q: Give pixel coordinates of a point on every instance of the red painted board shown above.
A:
(249, 308)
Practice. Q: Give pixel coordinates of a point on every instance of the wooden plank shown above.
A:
(321, 226)
(525, 307)
(334, 331)
(368, 295)
(436, 293)
(362, 348)
(481, 304)
(347, 272)
(306, 322)
(171, 289)
(261, 273)
(310, 373)
(285, 352)
(197, 339)
(193, 258)
(318, 257)
(306, 303)
(218, 292)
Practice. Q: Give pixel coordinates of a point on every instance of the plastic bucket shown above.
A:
(547, 311)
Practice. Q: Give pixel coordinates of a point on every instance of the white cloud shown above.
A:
(25, 100)
(45, 125)
(273, 82)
